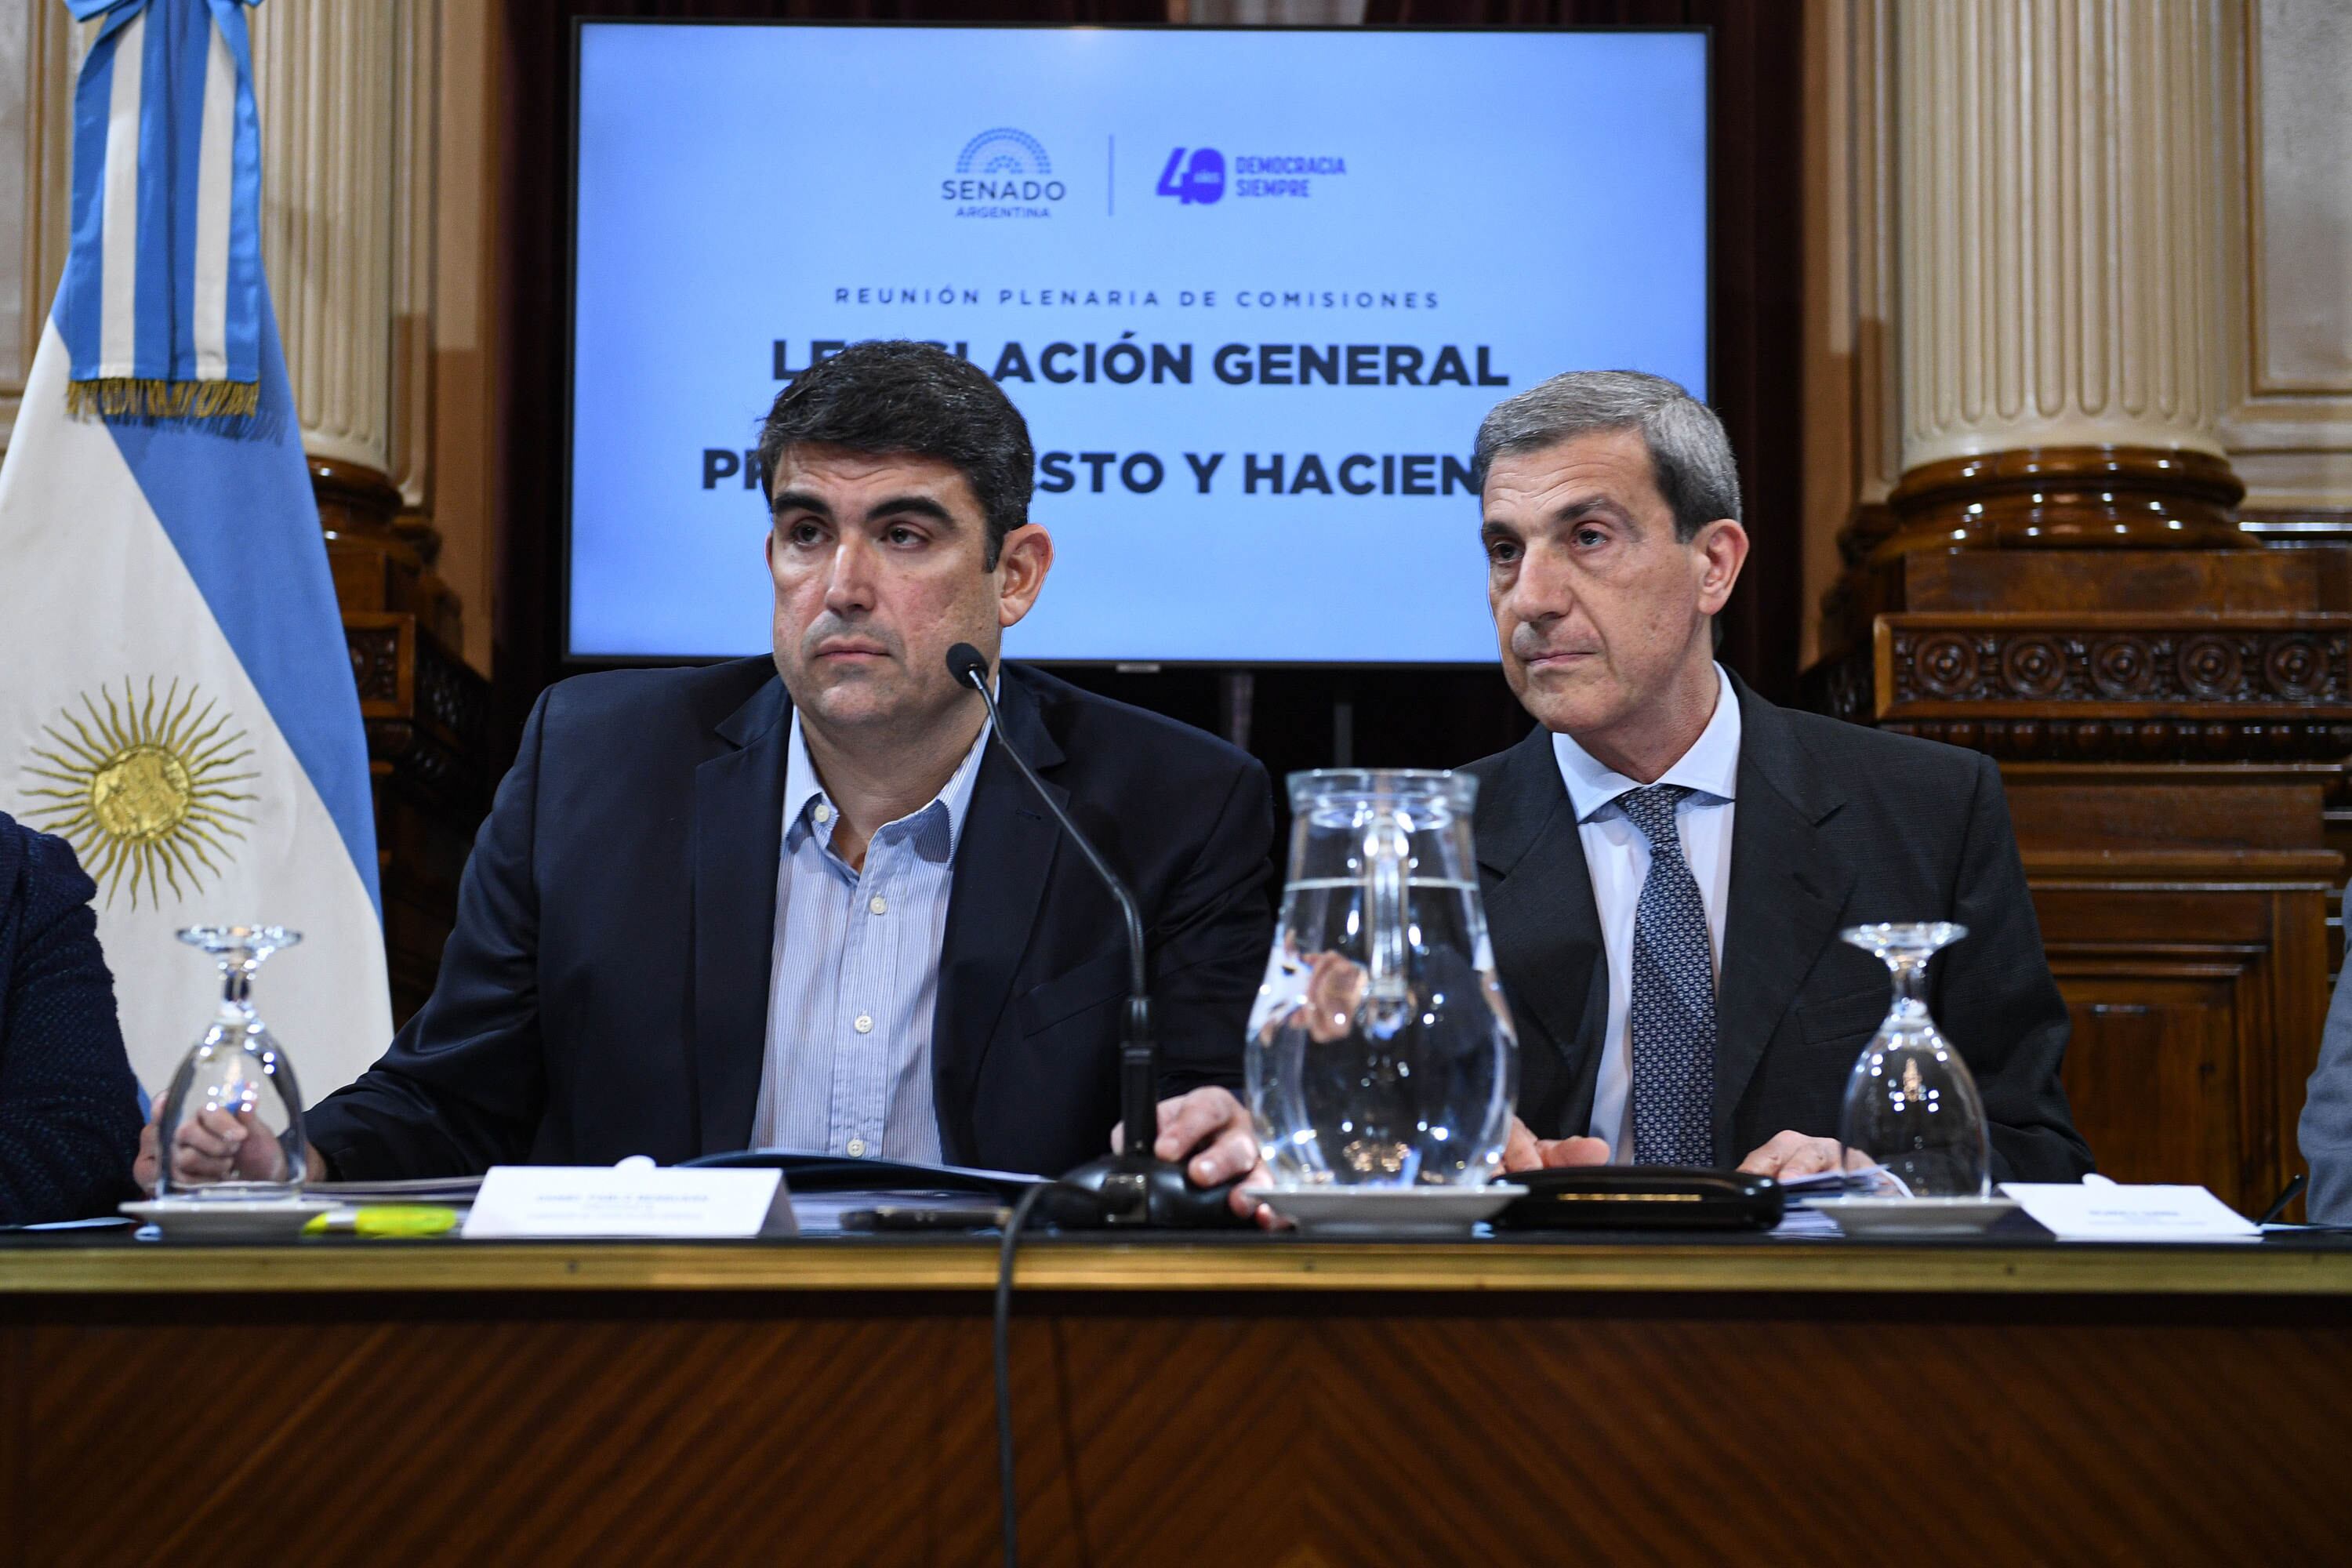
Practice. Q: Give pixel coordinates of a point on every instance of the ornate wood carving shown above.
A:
(427, 712)
(377, 648)
(380, 560)
(2176, 666)
(427, 717)
(2094, 686)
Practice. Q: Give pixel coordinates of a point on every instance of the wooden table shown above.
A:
(1250, 1400)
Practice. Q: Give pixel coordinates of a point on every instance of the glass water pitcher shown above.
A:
(1380, 1052)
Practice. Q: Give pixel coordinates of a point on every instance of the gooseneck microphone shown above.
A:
(1136, 1188)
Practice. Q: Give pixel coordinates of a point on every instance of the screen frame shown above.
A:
(571, 662)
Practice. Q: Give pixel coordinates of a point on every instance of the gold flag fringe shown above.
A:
(116, 396)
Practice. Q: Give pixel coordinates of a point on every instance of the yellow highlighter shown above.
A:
(391, 1219)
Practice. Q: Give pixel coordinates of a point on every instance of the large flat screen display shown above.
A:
(1252, 290)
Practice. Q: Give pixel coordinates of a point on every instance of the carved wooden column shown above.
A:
(345, 157)
(2058, 578)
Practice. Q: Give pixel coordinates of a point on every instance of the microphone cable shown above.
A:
(1013, 1224)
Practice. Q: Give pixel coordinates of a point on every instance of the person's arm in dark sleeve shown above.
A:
(1997, 1002)
(464, 1085)
(68, 1102)
(2325, 1132)
(1210, 939)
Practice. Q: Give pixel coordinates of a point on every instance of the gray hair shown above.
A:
(1690, 456)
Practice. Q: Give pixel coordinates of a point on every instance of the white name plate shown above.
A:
(2100, 1210)
(630, 1199)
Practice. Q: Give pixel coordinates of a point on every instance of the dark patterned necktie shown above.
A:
(1672, 1006)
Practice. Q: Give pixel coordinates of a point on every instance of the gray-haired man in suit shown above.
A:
(1676, 975)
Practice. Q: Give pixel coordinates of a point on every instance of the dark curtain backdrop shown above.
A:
(1291, 718)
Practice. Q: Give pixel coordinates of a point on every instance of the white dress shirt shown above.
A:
(1619, 859)
(855, 973)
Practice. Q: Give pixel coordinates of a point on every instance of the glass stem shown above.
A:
(1910, 984)
(236, 988)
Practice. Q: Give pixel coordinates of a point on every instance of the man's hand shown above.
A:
(1213, 1133)
(1526, 1151)
(215, 1146)
(1335, 990)
(1793, 1155)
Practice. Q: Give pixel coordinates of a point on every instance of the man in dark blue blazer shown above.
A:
(807, 902)
(68, 1103)
(1668, 859)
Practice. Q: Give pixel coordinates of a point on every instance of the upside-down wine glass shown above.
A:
(1911, 1103)
(232, 1118)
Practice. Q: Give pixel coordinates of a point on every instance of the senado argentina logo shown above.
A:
(1003, 173)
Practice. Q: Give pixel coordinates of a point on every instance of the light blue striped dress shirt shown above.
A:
(856, 972)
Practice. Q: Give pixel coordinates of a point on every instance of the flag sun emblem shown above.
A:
(145, 790)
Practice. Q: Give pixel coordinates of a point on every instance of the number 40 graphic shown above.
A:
(1202, 180)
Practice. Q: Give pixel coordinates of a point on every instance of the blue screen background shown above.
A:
(1548, 189)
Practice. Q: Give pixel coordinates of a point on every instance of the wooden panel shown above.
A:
(15, 1386)
(2287, 1055)
(2152, 1071)
(2127, 807)
(2197, 1007)
(2102, 920)
(1651, 1430)
(2233, 582)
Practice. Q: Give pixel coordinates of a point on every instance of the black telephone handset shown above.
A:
(1642, 1197)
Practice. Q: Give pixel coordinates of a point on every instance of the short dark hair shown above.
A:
(1690, 456)
(893, 395)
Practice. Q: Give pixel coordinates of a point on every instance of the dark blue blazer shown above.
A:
(68, 1103)
(604, 992)
(1836, 824)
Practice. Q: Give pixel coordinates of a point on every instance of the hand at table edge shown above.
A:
(1791, 1154)
(1523, 1151)
(1213, 1133)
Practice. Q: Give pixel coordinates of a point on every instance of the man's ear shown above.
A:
(1722, 549)
(1026, 555)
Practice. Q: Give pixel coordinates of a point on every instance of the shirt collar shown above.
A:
(935, 829)
(1711, 766)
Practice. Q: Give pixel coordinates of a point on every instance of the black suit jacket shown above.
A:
(1835, 826)
(68, 1104)
(605, 990)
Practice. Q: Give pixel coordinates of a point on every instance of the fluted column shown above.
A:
(2060, 239)
(332, 80)
(323, 74)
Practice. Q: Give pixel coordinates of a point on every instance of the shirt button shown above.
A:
(857, 1147)
(879, 904)
(823, 813)
(865, 1024)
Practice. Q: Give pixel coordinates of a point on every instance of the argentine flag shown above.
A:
(176, 694)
